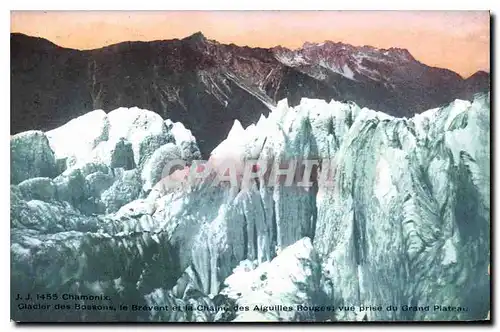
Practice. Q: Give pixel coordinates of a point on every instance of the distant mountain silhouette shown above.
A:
(207, 85)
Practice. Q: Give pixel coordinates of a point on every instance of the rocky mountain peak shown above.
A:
(403, 53)
(197, 37)
(207, 85)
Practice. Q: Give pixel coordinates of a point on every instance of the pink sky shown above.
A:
(456, 40)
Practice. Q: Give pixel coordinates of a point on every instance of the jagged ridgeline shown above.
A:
(405, 224)
(206, 85)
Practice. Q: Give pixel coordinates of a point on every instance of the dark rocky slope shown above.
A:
(207, 85)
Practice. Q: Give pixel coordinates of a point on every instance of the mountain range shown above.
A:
(207, 85)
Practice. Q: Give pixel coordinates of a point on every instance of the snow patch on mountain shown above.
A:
(292, 60)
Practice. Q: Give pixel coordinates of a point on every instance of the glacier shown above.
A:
(405, 223)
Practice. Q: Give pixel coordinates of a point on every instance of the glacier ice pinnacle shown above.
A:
(404, 223)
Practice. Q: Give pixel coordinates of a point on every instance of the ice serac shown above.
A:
(77, 138)
(283, 289)
(154, 169)
(31, 156)
(145, 130)
(124, 138)
(403, 219)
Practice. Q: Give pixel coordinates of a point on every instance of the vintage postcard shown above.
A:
(261, 166)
